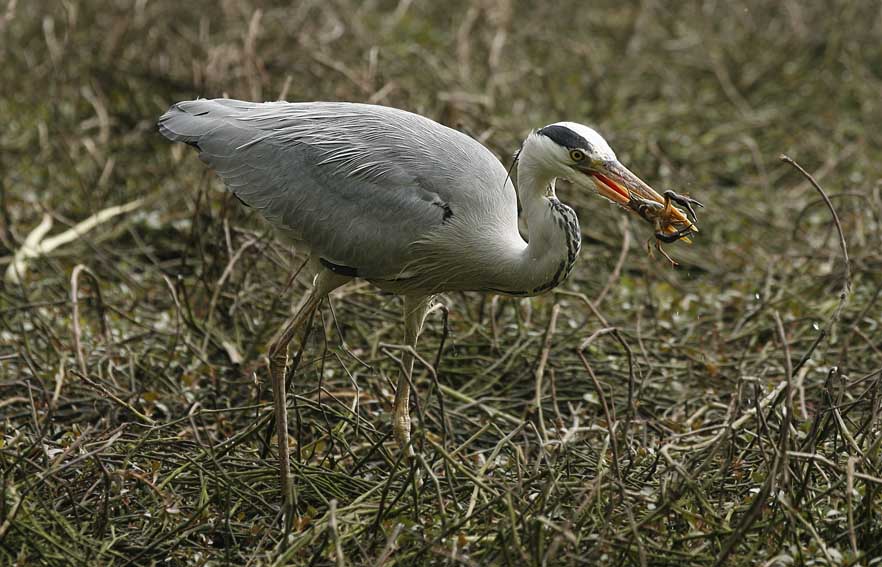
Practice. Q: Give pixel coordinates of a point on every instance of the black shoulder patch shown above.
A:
(238, 198)
(565, 137)
(448, 212)
(338, 269)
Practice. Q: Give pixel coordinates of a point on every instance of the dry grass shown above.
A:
(718, 413)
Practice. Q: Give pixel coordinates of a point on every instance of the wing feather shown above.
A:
(359, 184)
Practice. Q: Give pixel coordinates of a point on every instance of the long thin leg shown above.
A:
(415, 308)
(278, 360)
(277, 356)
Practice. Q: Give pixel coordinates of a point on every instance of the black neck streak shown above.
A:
(566, 220)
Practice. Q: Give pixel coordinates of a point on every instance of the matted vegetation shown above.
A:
(723, 412)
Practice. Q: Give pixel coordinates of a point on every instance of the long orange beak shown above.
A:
(617, 183)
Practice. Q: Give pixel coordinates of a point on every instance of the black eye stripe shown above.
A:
(565, 137)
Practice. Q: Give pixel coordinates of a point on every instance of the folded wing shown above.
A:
(357, 183)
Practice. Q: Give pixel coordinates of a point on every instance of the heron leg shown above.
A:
(415, 308)
(277, 355)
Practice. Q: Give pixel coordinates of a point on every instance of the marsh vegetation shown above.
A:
(726, 411)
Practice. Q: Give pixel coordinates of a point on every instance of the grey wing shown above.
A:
(359, 184)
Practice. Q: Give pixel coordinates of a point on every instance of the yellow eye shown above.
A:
(577, 155)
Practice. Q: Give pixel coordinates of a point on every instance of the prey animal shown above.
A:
(669, 227)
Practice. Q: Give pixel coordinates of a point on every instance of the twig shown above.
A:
(617, 270)
(75, 316)
(632, 407)
(822, 545)
(490, 410)
(846, 284)
(489, 462)
(143, 417)
(232, 352)
(752, 514)
(11, 511)
(18, 267)
(335, 535)
(445, 313)
(59, 384)
(540, 368)
(35, 245)
(390, 545)
(736, 425)
(849, 497)
(822, 459)
(588, 302)
(460, 468)
(788, 396)
(613, 446)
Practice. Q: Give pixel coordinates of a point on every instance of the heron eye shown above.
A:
(577, 155)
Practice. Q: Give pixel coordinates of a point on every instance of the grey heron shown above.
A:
(408, 204)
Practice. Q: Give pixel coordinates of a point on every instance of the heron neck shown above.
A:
(553, 234)
(535, 187)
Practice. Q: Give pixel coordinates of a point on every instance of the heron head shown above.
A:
(579, 154)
